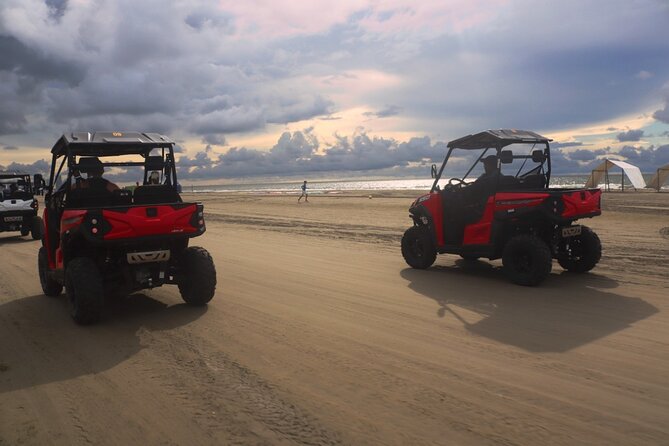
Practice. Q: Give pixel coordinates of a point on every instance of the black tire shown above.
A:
(584, 252)
(417, 247)
(36, 228)
(25, 231)
(50, 287)
(526, 260)
(197, 278)
(83, 284)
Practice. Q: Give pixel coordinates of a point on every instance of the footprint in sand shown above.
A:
(664, 232)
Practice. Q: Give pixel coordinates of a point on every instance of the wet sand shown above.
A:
(320, 334)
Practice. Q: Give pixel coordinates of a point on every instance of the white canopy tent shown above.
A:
(660, 177)
(602, 172)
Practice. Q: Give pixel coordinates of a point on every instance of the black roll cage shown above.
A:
(168, 171)
(22, 176)
(498, 149)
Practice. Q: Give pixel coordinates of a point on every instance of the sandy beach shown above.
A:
(320, 334)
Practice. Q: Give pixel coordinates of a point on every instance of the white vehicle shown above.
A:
(18, 206)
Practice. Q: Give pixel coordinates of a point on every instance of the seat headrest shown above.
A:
(90, 164)
(154, 162)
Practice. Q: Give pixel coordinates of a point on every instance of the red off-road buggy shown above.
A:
(98, 241)
(511, 213)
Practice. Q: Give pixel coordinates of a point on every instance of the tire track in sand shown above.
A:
(228, 396)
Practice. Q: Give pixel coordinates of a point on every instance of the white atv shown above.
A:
(18, 206)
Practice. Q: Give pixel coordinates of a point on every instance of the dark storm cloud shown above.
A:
(201, 19)
(301, 152)
(585, 155)
(41, 166)
(559, 145)
(288, 110)
(56, 8)
(232, 120)
(630, 136)
(214, 139)
(151, 123)
(391, 110)
(33, 64)
(648, 159)
(662, 114)
(177, 61)
(575, 95)
(200, 71)
(12, 116)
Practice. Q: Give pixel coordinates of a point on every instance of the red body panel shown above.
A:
(51, 259)
(479, 233)
(581, 202)
(432, 203)
(515, 200)
(135, 222)
(71, 219)
(68, 221)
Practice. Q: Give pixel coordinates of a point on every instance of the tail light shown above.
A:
(96, 225)
(197, 219)
(34, 204)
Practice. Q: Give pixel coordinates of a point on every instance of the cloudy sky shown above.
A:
(278, 87)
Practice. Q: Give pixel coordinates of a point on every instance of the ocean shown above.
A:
(287, 187)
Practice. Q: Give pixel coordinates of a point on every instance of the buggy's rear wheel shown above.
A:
(36, 228)
(527, 260)
(25, 231)
(583, 253)
(197, 279)
(50, 287)
(83, 284)
(417, 247)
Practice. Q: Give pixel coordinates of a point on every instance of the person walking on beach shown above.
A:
(304, 194)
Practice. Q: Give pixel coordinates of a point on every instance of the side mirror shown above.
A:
(538, 156)
(433, 171)
(506, 156)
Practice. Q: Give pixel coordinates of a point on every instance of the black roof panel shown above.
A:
(11, 174)
(494, 138)
(109, 143)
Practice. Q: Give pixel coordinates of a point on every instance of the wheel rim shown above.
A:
(417, 248)
(522, 261)
(575, 249)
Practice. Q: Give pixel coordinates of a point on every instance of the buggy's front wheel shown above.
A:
(417, 247)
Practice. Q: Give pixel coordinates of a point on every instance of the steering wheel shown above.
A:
(455, 182)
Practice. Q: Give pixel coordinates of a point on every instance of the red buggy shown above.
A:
(101, 242)
(510, 214)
